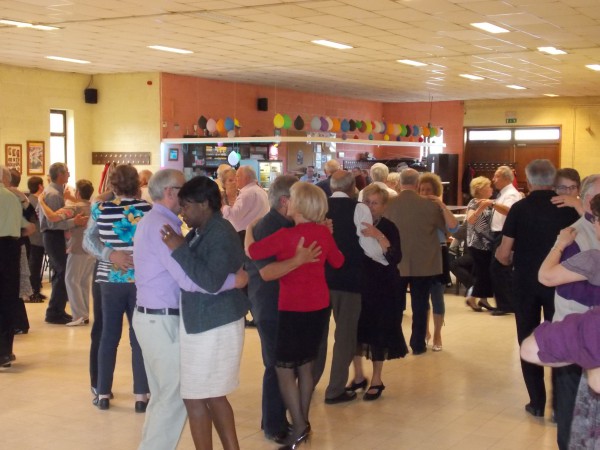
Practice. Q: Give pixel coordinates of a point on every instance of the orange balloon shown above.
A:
(336, 125)
(221, 126)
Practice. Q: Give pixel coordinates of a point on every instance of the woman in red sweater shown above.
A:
(303, 300)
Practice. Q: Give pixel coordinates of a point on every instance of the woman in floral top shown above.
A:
(116, 222)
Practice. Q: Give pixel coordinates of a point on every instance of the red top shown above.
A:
(303, 289)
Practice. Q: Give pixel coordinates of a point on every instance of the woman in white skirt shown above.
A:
(212, 327)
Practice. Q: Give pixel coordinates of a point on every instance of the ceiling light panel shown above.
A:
(489, 27)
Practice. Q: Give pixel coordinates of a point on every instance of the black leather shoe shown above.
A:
(535, 412)
(356, 386)
(103, 403)
(500, 312)
(346, 396)
(140, 406)
(5, 361)
(58, 320)
(20, 331)
(420, 351)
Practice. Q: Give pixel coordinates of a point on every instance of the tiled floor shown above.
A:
(469, 396)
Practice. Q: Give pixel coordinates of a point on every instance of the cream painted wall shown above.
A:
(26, 97)
(127, 117)
(580, 148)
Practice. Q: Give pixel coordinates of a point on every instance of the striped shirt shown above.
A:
(117, 221)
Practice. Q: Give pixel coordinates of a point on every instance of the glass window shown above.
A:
(58, 136)
(490, 135)
(537, 134)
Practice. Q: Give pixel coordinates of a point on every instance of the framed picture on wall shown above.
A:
(35, 158)
(13, 156)
(173, 154)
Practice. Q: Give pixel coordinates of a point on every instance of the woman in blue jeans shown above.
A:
(115, 223)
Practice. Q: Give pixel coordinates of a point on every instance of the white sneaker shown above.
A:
(78, 322)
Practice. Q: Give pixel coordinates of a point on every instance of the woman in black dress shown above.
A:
(379, 328)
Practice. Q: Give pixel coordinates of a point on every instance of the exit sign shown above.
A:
(512, 120)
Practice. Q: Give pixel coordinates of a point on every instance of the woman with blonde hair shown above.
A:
(229, 190)
(480, 242)
(380, 335)
(303, 311)
(430, 186)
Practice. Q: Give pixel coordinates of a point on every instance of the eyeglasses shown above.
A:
(564, 188)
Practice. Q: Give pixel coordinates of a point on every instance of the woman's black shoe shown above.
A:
(369, 397)
(103, 403)
(299, 440)
(356, 386)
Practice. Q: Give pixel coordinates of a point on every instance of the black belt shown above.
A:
(160, 312)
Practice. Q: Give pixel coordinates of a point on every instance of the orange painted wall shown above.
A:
(184, 99)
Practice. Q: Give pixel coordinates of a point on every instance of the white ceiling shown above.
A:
(268, 42)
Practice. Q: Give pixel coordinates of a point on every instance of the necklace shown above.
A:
(376, 221)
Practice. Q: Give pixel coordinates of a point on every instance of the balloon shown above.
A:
(358, 124)
(236, 123)
(415, 130)
(211, 125)
(369, 126)
(374, 126)
(421, 139)
(344, 136)
(315, 123)
(356, 136)
(231, 133)
(390, 128)
(202, 122)
(402, 130)
(287, 121)
(383, 127)
(336, 125)
(345, 125)
(426, 131)
(371, 137)
(229, 124)
(221, 126)
(352, 125)
(299, 123)
(386, 137)
(324, 124)
(397, 129)
(398, 138)
(408, 131)
(363, 127)
(278, 121)
(329, 123)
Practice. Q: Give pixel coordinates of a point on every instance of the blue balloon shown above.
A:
(345, 125)
(229, 124)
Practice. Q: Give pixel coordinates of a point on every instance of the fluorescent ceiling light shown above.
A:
(471, 77)
(490, 28)
(595, 67)
(170, 49)
(515, 86)
(410, 62)
(551, 95)
(60, 58)
(331, 44)
(551, 50)
(14, 23)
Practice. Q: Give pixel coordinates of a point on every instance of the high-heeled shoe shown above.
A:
(483, 303)
(356, 386)
(299, 440)
(470, 302)
(370, 397)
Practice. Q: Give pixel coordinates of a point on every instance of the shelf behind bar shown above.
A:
(279, 139)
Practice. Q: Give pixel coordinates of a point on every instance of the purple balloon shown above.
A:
(324, 124)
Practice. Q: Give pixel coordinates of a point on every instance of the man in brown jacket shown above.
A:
(418, 220)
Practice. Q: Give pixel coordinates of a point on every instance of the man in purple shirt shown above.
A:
(156, 319)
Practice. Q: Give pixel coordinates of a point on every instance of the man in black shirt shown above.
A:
(530, 230)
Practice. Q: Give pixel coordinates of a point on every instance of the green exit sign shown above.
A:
(511, 120)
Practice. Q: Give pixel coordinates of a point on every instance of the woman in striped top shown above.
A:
(116, 222)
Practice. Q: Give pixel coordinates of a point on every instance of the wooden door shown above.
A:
(525, 153)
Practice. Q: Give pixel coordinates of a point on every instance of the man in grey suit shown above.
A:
(418, 220)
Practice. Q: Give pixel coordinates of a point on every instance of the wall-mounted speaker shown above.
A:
(91, 95)
(262, 104)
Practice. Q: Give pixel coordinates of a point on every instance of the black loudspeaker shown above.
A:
(262, 104)
(91, 95)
